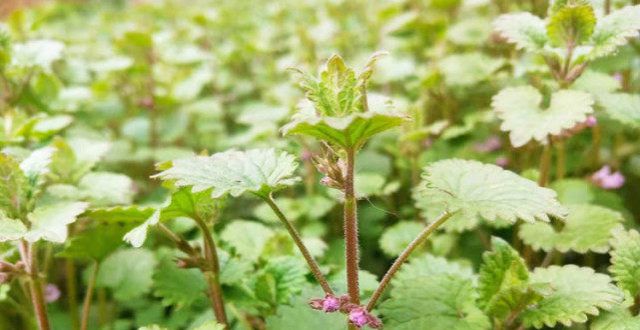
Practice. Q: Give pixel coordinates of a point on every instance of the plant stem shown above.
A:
(421, 238)
(545, 164)
(86, 306)
(213, 274)
(561, 160)
(315, 269)
(351, 230)
(72, 292)
(29, 257)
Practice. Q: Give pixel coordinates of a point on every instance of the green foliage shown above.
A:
(476, 191)
(625, 260)
(571, 23)
(297, 313)
(176, 286)
(247, 238)
(394, 240)
(128, 273)
(614, 29)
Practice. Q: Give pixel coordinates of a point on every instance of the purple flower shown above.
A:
(591, 121)
(605, 179)
(493, 143)
(358, 316)
(330, 304)
(502, 161)
(51, 293)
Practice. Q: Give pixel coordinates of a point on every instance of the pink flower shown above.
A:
(502, 161)
(358, 316)
(51, 293)
(330, 304)
(493, 143)
(605, 179)
(591, 121)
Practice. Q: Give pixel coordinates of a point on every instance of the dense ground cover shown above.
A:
(435, 164)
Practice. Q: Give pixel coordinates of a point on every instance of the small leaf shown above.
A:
(571, 24)
(524, 119)
(37, 53)
(258, 171)
(614, 29)
(128, 273)
(576, 292)
(106, 188)
(625, 260)
(37, 163)
(50, 222)
(482, 191)
(587, 228)
(11, 229)
(525, 30)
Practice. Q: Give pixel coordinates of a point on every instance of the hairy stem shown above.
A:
(86, 305)
(213, 274)
(545, 164)
(315, 269)
(421, 238)
(351, 230)
(29, 257)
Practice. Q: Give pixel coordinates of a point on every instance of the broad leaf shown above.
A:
(176, 286)
(37, 53)
(435, 302)
(37, 163)
(95, 243)
(11, 229)
(520, 110)
(482, 191)
(617, 319)
(396, 238)
(128, 273)
(571, 24)
(289, 276)
(50, 222)
(624, 108)
(106, 188)
(576, 292)
(428, 265)
(587, 228)
(525, 30)
(247, 238)
(468, 69)
(299, 314)
(259, 171)
(625, 260)
(614, 29)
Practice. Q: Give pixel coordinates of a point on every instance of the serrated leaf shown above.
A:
(624, 108)
(37, 163)
(525, 30)
(503, 282)
(524, 119)
(572, 23)
(95, 243)
(614, 29)
(617, 319)
(127, 272)
(397, 237)
(350, 131)
(625, 260)
(587, 228)
(299, 314)
(482, 191)
(185, 203)
(11, 229)
(429, 265)
(258, 171)
(248, 238)
(138, 235)
(176, 286)
(289, 275)
(576, 292)
(436, 302)
(13, 187)
(50, 222)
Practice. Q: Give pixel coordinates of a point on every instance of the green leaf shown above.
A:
(624, 108)
(397, 237)
(503, 283)
(37, 163)
(138, 235)
(95, 243)
(428, 265)
(211, 325)
(367, 282)
(576, 292)
(299, 314)
(37, 53)
(289, 275)
(248, 238)
(482, 191)
(436, 302)
(128, 273)
(587, 228)
(50, 222)
(625, 260)
(185, 203)
(130, 214)
(524, 119)
(13, 187)
(259, 171)
(614, 29)
(571, 24)
(11, 229)
(350, 131)
(106, 188)
(468, 69)
(616, 319)
(524, 30)
(176, 286)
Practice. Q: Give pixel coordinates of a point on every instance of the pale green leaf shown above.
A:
(524, 30)
(478, 191)
(576, 293)
(520, 110)
(37, 53)
(571, 24)
(13, 187)
(625, 260)
(248, 238)
(106, 188)
(11, 229)
(37, 163)
(258, 171)
(587, 228)
(211, 325)
(624, 108)
(397, 237)
(128, 273)
(435, 302)
(614, 29)
(468, 69)
(50, 222)
(617, 319)
(138, 235)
